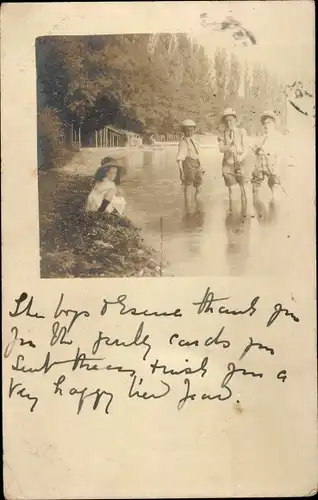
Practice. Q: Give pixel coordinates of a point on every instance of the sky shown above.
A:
(284, 31)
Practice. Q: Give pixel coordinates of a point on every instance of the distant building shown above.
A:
(111, 137)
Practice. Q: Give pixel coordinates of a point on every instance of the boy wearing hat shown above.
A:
(189, 164)
(233, 145)
(268, 159)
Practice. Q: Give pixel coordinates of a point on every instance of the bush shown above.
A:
(51, 150)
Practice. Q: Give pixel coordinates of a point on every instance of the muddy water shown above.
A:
(207, 244)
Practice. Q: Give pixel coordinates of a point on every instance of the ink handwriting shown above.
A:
(19, 389)
(205, 305)
(256, 344)
(59, 334)
(80, 361)
(134, 392)
(73, 313)
(232, 370)
(282, 375)
(27, 309)
(278, 309)
(98, 393)
(137, 341)
(188, 370)
(150, 380)
(9, 348)
(84, 394)
(176, 340)
(133, 311)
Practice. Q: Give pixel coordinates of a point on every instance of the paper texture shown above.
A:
(190, 372)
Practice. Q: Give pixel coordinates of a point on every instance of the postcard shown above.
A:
(158, 242)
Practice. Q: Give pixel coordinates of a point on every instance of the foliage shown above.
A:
(51, 152)
(146, 83)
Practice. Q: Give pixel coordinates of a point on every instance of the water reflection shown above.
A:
(266, 214)
(193, 226)
(237, 228)
(193, 222)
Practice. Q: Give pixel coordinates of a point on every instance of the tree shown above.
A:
(234, 80)
(141, 82)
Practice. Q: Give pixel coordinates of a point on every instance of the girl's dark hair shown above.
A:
(102, 171)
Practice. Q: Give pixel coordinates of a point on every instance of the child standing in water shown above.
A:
(233, 145)
(189, 166)
(268, 162)
(106, 195)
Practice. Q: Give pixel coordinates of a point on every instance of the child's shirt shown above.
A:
(270, 144)
(237, 137)
(271, 151)
(188, 147)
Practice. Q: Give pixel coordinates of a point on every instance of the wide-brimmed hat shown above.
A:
(188, 123)
(268, 114)
(107, 163)
(110, 161)
(228, 112)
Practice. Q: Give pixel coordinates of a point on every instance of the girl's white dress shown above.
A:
(105, 190)
(118, 203)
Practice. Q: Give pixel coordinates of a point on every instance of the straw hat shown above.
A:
(188, 123)
(268, 114)
(228, 112)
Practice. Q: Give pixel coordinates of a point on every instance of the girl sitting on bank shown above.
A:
(106, 195)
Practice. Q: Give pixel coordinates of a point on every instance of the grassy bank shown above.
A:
(75, 244)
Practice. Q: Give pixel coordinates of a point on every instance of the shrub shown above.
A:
(52, 151)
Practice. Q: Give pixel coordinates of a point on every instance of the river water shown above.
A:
(207, 244)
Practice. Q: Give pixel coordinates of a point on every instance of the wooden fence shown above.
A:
(76, 137)
(168, 138)
(109, 138)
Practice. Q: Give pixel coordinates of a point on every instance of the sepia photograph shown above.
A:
(169, 145)
(170, 154)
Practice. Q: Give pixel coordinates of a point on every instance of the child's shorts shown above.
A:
(193, 174)
(260, 172)
(233, 175)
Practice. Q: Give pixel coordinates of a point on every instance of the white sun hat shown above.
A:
(188, 123)
(228, 112)
(268, 114)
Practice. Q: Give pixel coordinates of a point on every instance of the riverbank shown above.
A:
(79, 245)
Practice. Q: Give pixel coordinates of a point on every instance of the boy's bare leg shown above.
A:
(198, 199)
(230, 188)
(249, 198)
(243, 199)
